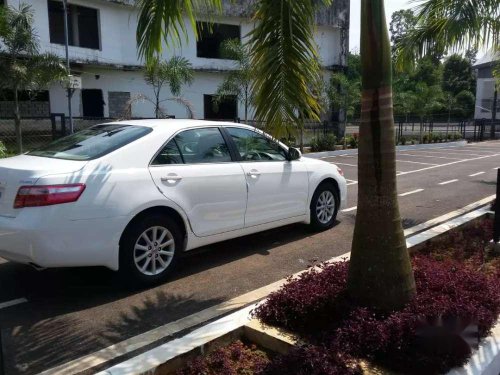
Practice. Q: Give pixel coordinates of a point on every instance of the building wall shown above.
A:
(112, 67)
(484, 99)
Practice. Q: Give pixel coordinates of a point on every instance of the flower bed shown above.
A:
(236, 358)
(458, 290)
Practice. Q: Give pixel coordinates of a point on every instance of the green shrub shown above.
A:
(325, 143)
(403, 140)
(3, 150)
(425, 138)
(289, 141)
(352, 140)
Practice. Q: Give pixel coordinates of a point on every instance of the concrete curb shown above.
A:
(325, 154)
(484, 361)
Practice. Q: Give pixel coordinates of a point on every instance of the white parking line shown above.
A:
(452, 153)
(446, 164)
(349, 165)
(448, 182)
(428, 156)
(415, 162)
(411, 192)
(14, 302)
(476, 174)
(350, 209)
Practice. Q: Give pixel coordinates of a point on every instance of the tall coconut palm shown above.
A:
(22, 67)
(380, 272)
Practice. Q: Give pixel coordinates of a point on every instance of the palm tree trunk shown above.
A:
(380, 272)
(157, 106)
(17, 122)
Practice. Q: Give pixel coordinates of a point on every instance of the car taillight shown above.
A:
(341, 172)
(47, 195)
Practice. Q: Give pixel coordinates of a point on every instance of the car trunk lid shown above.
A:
(26, 170)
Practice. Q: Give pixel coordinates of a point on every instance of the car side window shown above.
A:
(253, 146)
(205, 145)
(170, 154)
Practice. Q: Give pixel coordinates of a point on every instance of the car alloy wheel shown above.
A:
(154, 250)
(325, 207)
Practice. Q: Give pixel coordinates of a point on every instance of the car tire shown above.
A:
(149, 249)
(324, 207)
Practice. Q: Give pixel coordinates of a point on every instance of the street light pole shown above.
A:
(66, 40)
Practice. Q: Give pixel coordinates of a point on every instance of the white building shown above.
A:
(103, 52)
(486, 88)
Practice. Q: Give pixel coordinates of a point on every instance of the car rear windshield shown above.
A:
(92, 143)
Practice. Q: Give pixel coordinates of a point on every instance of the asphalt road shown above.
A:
(60, 315)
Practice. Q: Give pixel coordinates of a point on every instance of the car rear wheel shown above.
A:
(149, 249)
(324, 207)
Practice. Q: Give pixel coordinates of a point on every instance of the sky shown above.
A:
(390, 7)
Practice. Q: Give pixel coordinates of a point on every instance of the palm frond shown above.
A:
(20, 36)
(445, 25)
(285, 60)
(164, 21)
(179, 71)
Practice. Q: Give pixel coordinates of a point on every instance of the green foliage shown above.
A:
(465, 104)
(450, 25)
(402, 21)
(3, 150)
(324, 143)
(458, 75)
(237, 83)
(22, 66)
(344, 93)
(352, 140)
(286, 66)
(175, 73)
(163, 21)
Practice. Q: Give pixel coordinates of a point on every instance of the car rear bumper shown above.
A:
(46, 240)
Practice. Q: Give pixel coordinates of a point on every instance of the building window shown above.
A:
(227, 110)
(212, 37)
(83, 25)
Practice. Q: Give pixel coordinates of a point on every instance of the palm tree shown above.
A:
(238, 82)
(282, 49)
(444, 25)
(380, 272)
(175, 72)
(286, 71)
(22, 67)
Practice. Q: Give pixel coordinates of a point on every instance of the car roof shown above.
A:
(174, 125)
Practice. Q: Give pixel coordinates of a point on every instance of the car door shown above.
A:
(196, 171)
(277, 188)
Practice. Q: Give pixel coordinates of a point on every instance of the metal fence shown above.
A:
(38, 131)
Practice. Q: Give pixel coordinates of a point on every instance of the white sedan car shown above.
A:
(133, 195)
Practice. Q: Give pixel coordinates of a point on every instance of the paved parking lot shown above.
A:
(52, 317)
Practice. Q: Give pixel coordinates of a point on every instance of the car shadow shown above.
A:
(87, 287)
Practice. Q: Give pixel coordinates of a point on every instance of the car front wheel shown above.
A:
(149, 249)
(324, 207)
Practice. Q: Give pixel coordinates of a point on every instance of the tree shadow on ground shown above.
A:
(32, 348)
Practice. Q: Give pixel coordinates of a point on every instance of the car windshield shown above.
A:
(92, 143)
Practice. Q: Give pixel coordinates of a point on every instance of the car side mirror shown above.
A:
(294, 154)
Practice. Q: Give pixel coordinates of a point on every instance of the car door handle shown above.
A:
(171, 178)
(253, 173)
